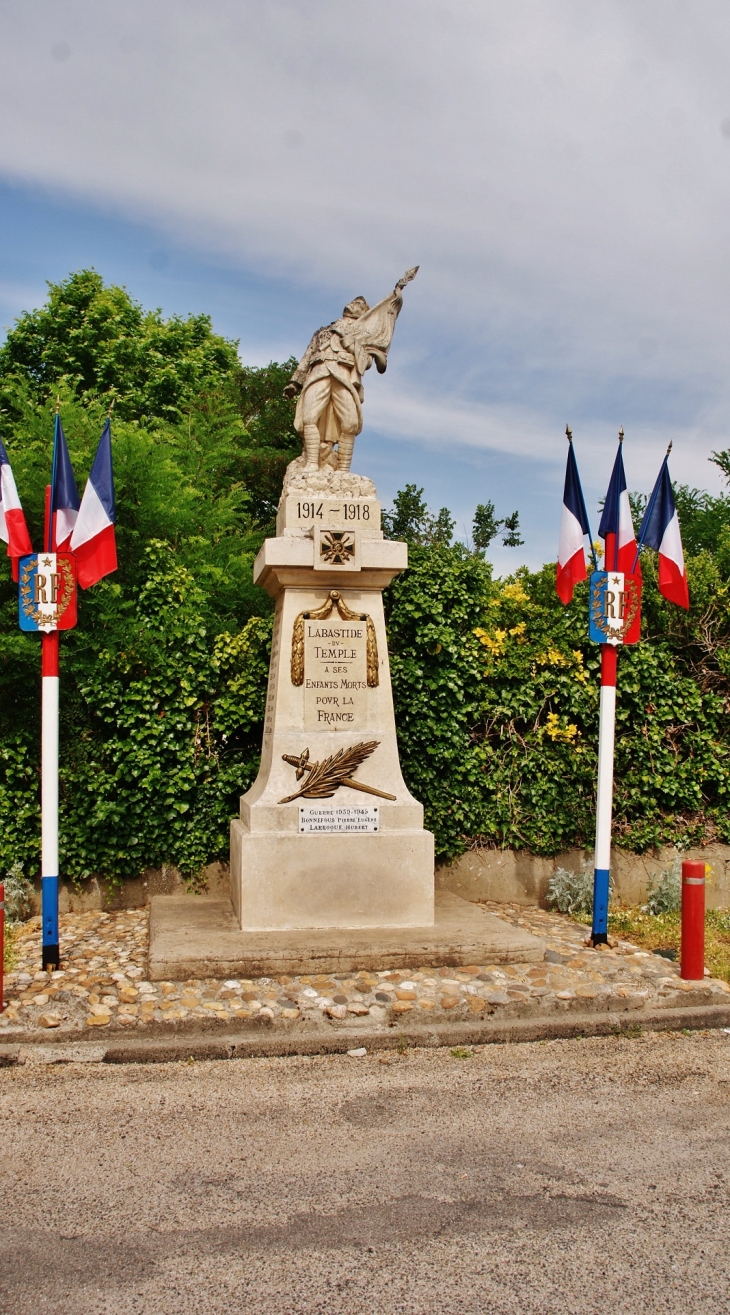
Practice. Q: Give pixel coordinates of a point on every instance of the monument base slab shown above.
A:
(293, 882)
(199, 936)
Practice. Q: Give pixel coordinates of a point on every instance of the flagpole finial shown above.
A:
(58, 402)
(671, 441)
(621, 434)
(569, 433)
(111, 408)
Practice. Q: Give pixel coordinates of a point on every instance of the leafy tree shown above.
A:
(186, 483)
(486, 527)
(91, 341)
(703, 518)
(270, 440)
(98, 341)
(411, 520)
(442, 527)
(496, 693)
(513, 538)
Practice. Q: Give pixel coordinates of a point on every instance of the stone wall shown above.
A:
(95, 894)
(508, 875)
(516, 877)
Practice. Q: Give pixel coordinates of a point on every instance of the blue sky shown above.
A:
(560, 172)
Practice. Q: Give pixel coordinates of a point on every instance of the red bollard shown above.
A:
(693, 920)
(2, 947)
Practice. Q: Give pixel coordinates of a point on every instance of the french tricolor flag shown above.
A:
(573, 526)
(64, 493)
(617, 526)
(660, 530)
(93, 542)
(13, 529)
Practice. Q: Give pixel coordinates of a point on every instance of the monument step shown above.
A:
(198, 936)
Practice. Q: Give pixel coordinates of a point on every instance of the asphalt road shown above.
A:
(568, 1176)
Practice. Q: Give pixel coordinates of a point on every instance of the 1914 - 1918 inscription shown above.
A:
(335, 674)
(323, 511)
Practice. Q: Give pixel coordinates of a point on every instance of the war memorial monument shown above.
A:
(330, 863)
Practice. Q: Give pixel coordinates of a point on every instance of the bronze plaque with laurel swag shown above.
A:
(335, 656)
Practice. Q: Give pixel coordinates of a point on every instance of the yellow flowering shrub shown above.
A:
(565, 734)
(514, 593)
(495, 643)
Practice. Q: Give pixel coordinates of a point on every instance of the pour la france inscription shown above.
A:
(335, 674)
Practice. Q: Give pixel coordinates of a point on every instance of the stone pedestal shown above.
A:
(350, 858)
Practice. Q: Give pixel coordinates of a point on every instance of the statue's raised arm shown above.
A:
(329, 377)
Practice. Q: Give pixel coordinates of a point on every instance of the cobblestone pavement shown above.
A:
(551, 1178)
(103, 984)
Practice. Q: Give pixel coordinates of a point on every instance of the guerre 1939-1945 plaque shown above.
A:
(328, 835)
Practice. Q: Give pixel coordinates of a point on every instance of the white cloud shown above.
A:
(559, 171)
(442, 422)
(525, 435)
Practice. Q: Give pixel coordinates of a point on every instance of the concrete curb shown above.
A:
(302, 1030)
(199, 1046)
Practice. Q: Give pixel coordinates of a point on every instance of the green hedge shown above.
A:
(496, 690)
(164, 680)
(496, 696)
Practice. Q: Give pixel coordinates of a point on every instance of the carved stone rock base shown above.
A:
(326, 482)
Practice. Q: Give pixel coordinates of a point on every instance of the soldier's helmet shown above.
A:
(355, 308)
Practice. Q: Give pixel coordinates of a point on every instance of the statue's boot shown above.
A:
(344, 451)
(311, 447)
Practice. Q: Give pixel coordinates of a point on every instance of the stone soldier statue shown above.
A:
(329, 377)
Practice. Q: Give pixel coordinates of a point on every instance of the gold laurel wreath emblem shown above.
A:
(335, 599)
(66, 593)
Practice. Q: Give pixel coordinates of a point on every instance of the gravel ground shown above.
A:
(103, 984)
(579, 1176)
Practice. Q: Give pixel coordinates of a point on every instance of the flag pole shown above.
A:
(647, 514)
(49, 780)
(604, 791)
(569, 436)
(604, 794)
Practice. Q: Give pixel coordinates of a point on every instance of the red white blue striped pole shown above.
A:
(49, 800)
(49, 783)
(617, 531)
(2, 946)
(604, 800)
